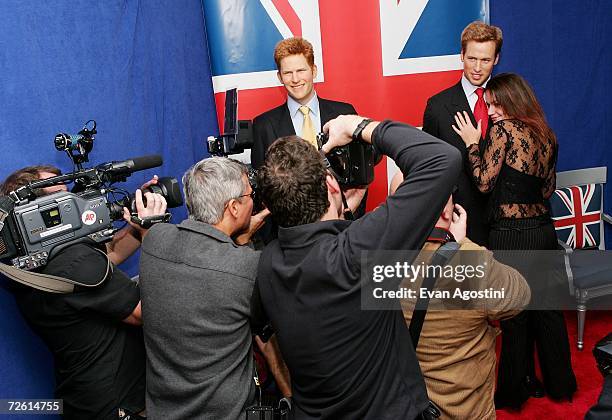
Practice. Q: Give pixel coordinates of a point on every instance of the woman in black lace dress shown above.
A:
(516, 164)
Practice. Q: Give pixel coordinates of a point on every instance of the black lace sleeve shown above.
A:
(486, 166)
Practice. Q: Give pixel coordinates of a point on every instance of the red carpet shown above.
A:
(590, 381)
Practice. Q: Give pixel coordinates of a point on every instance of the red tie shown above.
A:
(480, 111)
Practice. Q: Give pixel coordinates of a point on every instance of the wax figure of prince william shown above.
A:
(304, 113)
(480, 48)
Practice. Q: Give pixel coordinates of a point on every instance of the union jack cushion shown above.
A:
(576, 212)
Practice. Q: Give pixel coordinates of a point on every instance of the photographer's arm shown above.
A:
(274, 358)
(268, 344)
(341, 129)
(458, 226)
(135, 318)
(128, 239)
(257, 221)
(124, 244)
(429, 167)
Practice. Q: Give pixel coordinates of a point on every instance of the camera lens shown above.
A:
(169, 188)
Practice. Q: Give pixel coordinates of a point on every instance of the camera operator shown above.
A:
(99, 358)
(346, 362)
(124, 243)
(197, 281)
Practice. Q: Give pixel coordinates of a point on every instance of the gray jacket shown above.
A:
(196, 285)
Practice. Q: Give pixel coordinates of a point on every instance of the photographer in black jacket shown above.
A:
(346, 362)
(94, 332)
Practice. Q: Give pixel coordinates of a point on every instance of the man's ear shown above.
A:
(280, 79)
(496, 59)
(314, 71)
(332, 184)
(447, 211)
(232, 207)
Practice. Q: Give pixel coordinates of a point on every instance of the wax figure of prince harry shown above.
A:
(480, 48)
(304, 113)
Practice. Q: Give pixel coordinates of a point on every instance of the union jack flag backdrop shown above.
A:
(577, 215)
(385, 57)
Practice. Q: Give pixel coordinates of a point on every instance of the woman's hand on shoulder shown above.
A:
(464, 127)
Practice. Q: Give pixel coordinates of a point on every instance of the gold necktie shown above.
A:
(308, 131)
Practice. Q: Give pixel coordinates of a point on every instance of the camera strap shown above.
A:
(348, 213)
(49, 283)
(441, 257)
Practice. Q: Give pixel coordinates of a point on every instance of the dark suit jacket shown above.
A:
(276, 123)
(438, 121)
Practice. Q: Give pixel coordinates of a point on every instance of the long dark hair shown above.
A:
(514, 95)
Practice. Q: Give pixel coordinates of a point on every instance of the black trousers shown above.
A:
(544, 329)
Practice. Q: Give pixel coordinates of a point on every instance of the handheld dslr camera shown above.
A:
(353, 164)
(33, 226)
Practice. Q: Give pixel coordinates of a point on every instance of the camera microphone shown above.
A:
(126, 167)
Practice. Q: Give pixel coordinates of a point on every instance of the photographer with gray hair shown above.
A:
(197, 280)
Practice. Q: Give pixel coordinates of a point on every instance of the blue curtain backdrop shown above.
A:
(139, 68)
(563, 49)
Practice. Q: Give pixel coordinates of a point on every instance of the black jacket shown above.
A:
(276, 123)
(346, 362)
(438, 120)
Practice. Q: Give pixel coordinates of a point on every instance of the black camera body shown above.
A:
(353, 164)
(603, 355)
(34, 227)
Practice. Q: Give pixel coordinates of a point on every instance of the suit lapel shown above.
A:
(460, 103)
(326, 111)
(283, 124)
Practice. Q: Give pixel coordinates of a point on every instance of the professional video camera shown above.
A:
(237, 134)
(353, 164)
(33, 227)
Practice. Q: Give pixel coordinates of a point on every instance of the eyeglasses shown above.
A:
(251, 194)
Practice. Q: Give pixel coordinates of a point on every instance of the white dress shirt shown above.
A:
(470, 91)
(297, 118)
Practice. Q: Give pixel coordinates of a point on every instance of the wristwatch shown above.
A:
(363, 124)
